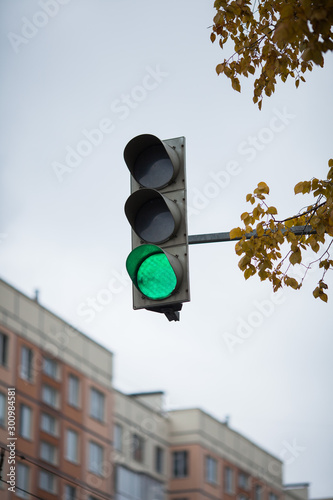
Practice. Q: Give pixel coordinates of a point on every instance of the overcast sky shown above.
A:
(73, 67)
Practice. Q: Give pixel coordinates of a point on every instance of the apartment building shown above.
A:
(141, 443)
(78, 438)
(212, 461)
(296, 491)
(61, 381)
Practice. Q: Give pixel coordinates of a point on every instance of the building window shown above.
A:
(25, 421)
(180, 463)
(159, 455)
(2, 410)
(132, 485)
(26, 363)
(272, 496)
(22, 481)
(3, 349)
(258, 492)
(48, 424)
(137, 444)
(228, 480)
(47, 481)
(211, 470)
(50, 367)
(50, 395)
(48, 452)
(243, 481)
(70, 492)
(118, 437)
(72, 441)
(73, 391)
(96, 404)
(95, 458)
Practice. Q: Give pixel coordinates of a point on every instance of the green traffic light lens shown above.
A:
(156, 278)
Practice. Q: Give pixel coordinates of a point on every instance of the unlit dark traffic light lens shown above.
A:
(153, 168)
(155, 278)
(154, 221)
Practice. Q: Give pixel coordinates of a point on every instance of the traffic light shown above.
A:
(156, 210)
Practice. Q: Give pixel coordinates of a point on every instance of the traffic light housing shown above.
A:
(157, 212)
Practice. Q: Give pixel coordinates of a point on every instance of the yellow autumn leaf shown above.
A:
(244, 262)
(263, 275)
(247, 273)
(235, 84)
(323, 296)
(236, 232)
(292, 283)
(299, 187)
(260, 229)
(263, 188)
(219, 68)
(295, 257)
(289, 223)
(330, 218)
(272, 210)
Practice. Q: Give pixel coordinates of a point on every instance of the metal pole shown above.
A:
(219, 237)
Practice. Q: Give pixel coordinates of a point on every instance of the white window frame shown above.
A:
(3, 409)
(73, 397)
(22, 480)
(96, 454)
(47, 481)
(49, 429)
(258, 492)
(25, 421)
(118, 437)
(243, 480)
(26, 363)
(51, 396)
(211, 469)
(72, 446)
(228, 480)
(97, 404)
(50, 367)
(48, 452)
(69, 490)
